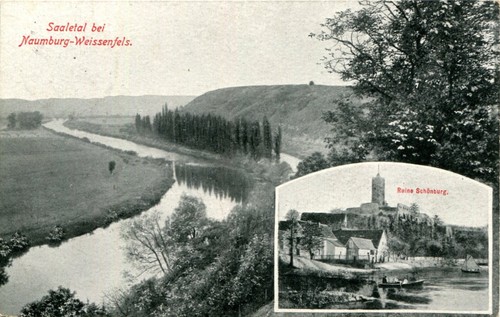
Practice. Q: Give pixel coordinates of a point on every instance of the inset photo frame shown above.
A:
(383, 237)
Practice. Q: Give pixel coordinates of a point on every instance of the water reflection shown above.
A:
(444, 290)
(221, 182)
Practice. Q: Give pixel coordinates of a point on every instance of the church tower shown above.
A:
(378, 190)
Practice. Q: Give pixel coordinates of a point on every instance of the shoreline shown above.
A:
(106, 214)
(245, 163)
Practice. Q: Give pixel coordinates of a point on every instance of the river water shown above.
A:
(94, 264)
(445, 289)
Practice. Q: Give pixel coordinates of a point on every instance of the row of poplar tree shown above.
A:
(213, 133)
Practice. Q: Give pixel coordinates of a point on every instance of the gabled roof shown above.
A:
(362, 243)
(322, 217)
(373, 235)
(325, 230)
(335, 242)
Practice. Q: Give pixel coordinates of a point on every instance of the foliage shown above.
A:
(218, 267)
(11, 118)
(277, 143)
(146, 246)
(292, 234)
(429, 70)
(56, 235)
(18, 242)
(312, 238)
(314, 162)
(397, 247)
(26, 120)
(111, 166)
(212, 133)
(61, 303)
(188, 220)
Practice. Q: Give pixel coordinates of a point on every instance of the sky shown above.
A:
(468, 203)
(178, 47)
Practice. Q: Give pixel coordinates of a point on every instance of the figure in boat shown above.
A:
(470, 266)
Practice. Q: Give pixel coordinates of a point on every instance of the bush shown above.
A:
(19, 242)
(56, 235)
(4, 250)
(61, 303)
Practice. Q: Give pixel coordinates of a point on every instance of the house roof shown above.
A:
(362, 243)
(322, 217)
(345, 235)
(335, 242)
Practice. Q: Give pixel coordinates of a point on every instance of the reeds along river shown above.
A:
(94, 264)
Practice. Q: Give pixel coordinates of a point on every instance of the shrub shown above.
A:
(56, 235)
(18, 242)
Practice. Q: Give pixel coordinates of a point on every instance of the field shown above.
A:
(50, 180)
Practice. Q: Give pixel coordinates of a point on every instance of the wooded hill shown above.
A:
(297, 108)
(107, 106)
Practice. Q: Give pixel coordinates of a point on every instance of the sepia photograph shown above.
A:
(249, 158)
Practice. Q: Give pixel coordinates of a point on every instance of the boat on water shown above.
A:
(417, 283)
(470, 266)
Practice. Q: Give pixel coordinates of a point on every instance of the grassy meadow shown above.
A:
(50, 180)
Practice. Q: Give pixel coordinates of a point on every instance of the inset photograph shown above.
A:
(375, 237)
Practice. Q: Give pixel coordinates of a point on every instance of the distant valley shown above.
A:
(297, 109)
(107, 106)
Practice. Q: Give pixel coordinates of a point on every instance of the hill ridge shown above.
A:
(297, 109)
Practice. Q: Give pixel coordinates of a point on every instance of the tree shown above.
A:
(434, 248)
(277, 143)
(11, 118)
(147, 245)
(312, 238)
(397, 247)
(29, 120)
(292, 217)
(430, 72)
(314, 162)
(111, 166)
(188, 219)
(61, 303)
(268, 139)
(138, 123)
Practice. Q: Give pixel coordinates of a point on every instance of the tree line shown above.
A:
(24, 120)
(213, 133)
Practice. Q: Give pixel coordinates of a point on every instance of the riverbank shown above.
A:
(117, 128)
(50, 180)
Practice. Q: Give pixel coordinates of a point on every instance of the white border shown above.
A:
(408, 311)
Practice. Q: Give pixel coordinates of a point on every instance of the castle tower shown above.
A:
(378, 190)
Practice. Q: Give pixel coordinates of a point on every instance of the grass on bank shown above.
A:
(49, 180)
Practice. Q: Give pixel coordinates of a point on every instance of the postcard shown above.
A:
(248, 158)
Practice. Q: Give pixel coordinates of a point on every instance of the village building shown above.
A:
(378, 238)
(359, 249)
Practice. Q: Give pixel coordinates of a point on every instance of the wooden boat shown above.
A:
(470, 265)
(409, 284)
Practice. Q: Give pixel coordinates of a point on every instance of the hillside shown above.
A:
(297, 108)
(107, 106)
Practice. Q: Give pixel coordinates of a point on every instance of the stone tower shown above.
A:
(378, 190)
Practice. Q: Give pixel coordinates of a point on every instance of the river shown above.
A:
(445, 289)
(94, 264)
